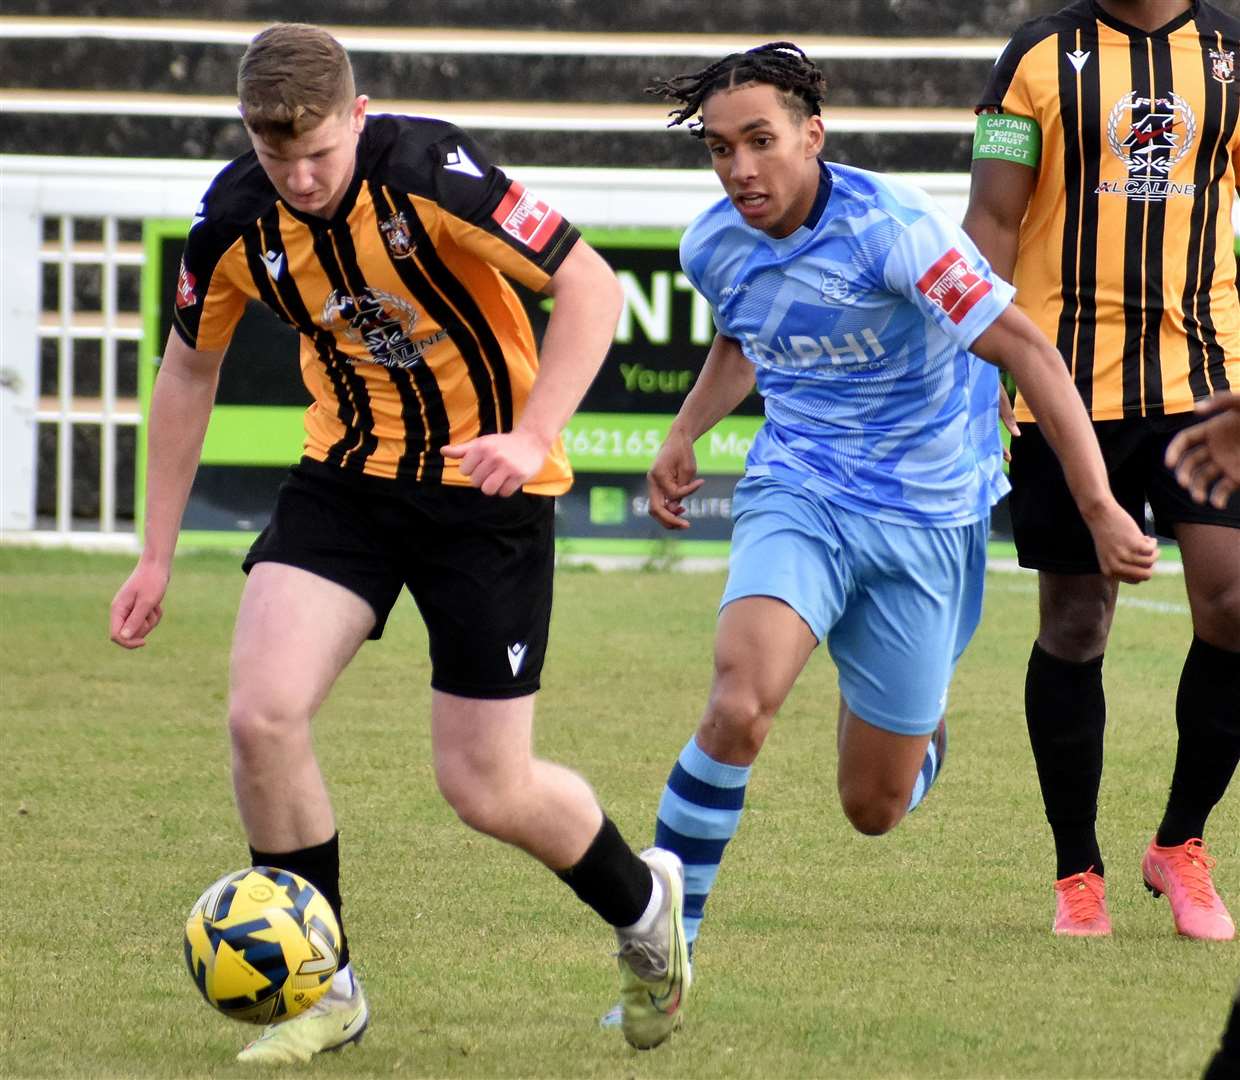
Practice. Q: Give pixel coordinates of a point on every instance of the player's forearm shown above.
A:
(726, 379)
(1053, 399)
(579, 333)
(180, 408)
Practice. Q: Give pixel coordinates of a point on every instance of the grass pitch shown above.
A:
(924, 953)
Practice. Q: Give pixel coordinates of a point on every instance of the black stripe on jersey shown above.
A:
(1134, 243)
(1207, 369)
(287, 300)
(1070, 109)
(426, 294)
(1155, 228)
(1091, 136)
(446, 282)
(421, 402)
(364, 442)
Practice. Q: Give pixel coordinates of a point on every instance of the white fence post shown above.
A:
(19, 358)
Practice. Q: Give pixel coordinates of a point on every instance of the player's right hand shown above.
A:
(138, 606)
(671, 479)
(1206, 456)
(1124, 551)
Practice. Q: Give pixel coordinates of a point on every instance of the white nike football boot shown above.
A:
(654, 966)
(338, 1019)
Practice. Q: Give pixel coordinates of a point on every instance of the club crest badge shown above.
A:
(1150, 136)
(399, 239)
(382, 323)
(833, 288)
(1223, 65)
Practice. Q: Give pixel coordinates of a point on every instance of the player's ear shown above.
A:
(357, 113)
(815, 136)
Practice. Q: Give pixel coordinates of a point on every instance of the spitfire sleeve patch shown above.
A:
(187, 288)
(1008, 138)
(523, 217)
(953, 285)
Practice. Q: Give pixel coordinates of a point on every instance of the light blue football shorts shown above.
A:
(897, 604)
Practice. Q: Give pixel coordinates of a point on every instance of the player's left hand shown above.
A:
(1124, 551)
(1007, 416)
(499, 464)
(1206, 456)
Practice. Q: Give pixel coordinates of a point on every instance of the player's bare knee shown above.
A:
(1216, 616)
(1075, 623)
(260, 729)
(1077, 635)
(873, 811)
(735, 726)
(873, 818)
(478, 804)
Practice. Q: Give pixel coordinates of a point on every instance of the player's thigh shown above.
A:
(876, 763)
(481, 741)
(295, 634)
(320, 582)
(761, 644)
(787, 583)
(917, 605)
(481, 570)
(1208, 537)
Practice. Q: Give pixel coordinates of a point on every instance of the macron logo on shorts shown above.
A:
(953, 286)
(516, 656)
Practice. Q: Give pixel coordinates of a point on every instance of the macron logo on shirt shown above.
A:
(953, 286)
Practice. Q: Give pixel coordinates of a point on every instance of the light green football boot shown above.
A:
(335, 1021)
(654, 967)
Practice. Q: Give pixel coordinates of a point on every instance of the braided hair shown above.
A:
(778, 63)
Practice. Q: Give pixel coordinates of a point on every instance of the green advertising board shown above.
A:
(664, 333)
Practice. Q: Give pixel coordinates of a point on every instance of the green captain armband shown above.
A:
(1008, 138)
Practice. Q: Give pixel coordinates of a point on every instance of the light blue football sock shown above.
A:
(699, 813)
(936, 754)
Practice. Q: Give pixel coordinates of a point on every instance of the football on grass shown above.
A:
(262, 944)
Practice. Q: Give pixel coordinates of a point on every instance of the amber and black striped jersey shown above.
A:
(411, 338)
(1126, 256)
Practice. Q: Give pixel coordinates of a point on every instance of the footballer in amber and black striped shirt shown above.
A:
(1104, 178)
(431, 461)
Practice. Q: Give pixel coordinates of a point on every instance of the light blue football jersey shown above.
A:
(859, 324)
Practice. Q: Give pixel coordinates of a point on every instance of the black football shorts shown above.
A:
(479, 567)
(1049, 531)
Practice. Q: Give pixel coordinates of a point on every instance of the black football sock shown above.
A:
(1207, 714)
(610, 878)
(1066, 713)
(319, 865)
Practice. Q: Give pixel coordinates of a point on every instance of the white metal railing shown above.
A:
(66, 326)
(425, 41)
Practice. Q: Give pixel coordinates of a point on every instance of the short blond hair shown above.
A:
(292, 77)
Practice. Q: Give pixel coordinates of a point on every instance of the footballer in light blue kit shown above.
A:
(871, 327)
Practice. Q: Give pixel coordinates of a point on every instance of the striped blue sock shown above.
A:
(698, 814)
(936, 754)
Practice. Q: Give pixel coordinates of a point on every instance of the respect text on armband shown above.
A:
(1008, 138)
